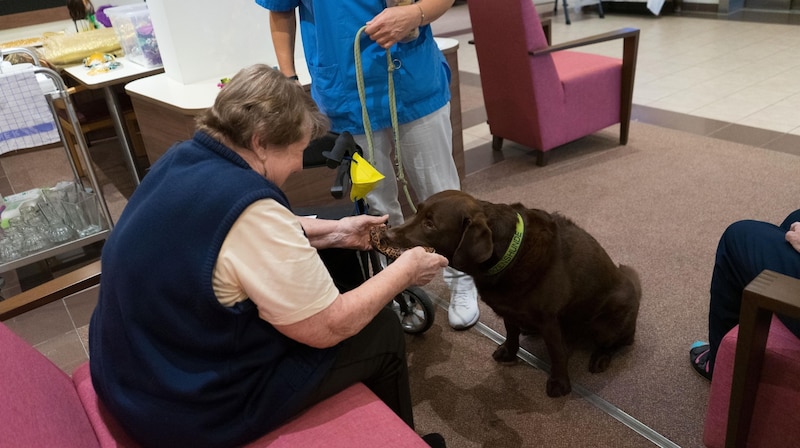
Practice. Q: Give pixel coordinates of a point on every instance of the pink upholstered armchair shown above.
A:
(542, 96)
(755, 394)
(40, 406)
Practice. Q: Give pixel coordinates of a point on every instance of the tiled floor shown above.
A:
(700, 72)
(726, 77)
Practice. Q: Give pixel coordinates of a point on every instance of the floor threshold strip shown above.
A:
(615, 412)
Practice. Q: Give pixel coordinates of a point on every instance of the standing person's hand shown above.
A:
(393, 24)
(793, 236)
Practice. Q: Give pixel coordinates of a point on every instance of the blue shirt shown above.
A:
(328, 30)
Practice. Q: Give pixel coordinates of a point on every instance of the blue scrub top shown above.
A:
(328, 29)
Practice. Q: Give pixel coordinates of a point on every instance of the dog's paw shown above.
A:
(558, 387)
(599, 361)
(504, 355)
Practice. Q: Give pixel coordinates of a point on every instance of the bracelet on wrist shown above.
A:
(421, 14)
(293, 78)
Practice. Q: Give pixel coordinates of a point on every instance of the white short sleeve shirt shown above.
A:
(267, 258)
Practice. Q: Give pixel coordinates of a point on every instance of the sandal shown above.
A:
(698, 357)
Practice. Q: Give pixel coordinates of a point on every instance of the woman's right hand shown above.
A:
(793, 236)
(423, 265)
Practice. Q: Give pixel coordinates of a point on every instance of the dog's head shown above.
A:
(454, 224)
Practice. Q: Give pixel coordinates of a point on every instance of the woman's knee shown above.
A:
(389, 329)
(748, 233)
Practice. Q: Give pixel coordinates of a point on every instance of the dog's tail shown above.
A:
(634, 278)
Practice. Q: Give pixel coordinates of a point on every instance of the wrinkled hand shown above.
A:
(424, 265)
(354, 231)
(793, 236)
(392, 25)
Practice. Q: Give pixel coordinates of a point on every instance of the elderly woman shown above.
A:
(217, 320)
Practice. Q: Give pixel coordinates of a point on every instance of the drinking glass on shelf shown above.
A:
(14, 234)
(33, 240)
(53, 210)
(84, 213)
(8, 250)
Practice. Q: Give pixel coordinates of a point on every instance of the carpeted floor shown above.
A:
(658, 204)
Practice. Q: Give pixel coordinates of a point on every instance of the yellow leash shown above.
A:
(392, 110)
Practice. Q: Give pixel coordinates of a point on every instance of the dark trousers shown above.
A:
(745, 249)
(376, 356)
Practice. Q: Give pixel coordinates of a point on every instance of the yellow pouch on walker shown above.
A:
(363, 176)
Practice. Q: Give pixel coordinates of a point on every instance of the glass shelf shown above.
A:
(53, 251)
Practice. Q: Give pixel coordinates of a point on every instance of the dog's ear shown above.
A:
(476, 244)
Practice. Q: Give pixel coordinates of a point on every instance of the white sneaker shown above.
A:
(463, 311)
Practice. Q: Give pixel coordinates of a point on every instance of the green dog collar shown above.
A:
(513, 247)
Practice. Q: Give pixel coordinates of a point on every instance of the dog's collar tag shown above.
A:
(513, 247)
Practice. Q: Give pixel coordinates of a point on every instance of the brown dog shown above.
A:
(536, 270)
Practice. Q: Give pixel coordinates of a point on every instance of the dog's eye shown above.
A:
(428, 224)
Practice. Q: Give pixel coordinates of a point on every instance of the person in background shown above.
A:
(82, 14)
(421, 78)
(217, 320)
(745, 249)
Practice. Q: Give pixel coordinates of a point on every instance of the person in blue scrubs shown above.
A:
(421, 77)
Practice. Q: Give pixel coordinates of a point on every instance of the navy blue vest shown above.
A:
(171, 363)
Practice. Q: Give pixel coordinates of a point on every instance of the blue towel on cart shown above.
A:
(26, 120)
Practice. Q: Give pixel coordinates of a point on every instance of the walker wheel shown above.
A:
(415, 310)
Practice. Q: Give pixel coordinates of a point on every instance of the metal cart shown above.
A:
(61, 94)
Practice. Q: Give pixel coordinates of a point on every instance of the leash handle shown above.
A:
(362, 96)
(400, 174)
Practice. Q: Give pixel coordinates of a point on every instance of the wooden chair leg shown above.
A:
(542, 157)
(73, 151)
(497, 143)
(624, 128)
(630, 50)
(136, 137)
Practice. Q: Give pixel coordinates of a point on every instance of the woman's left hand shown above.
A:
(354, 231)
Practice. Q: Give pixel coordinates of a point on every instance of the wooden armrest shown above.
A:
(768, 293)
(629, 34)
(56, 289)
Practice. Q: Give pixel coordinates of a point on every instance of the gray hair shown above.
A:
(259, 101)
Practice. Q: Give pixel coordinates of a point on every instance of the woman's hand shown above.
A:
(423, 265)
(353, 231)
(393, 24)
(793, 236)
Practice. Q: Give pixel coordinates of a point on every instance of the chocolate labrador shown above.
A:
(539, 271)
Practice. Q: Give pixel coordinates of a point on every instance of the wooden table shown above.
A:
(127, 72)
